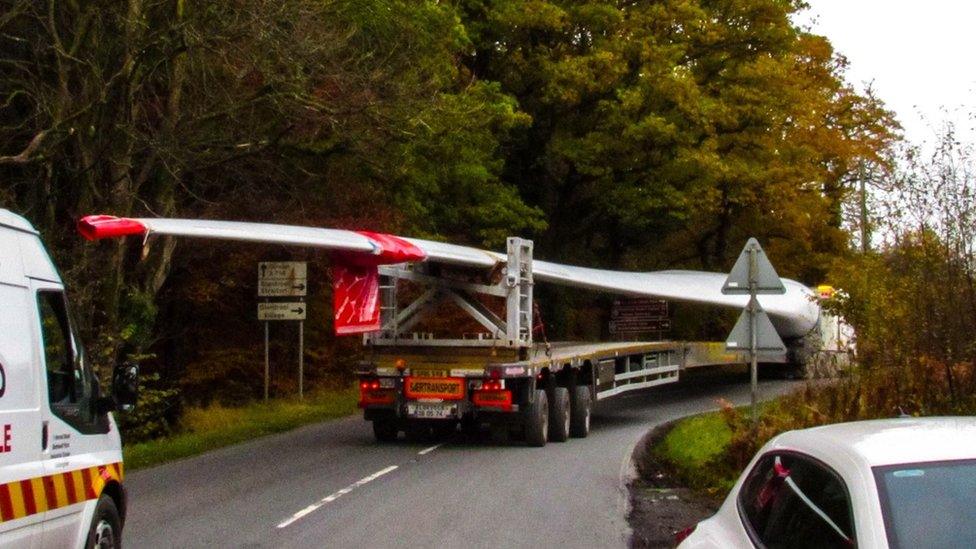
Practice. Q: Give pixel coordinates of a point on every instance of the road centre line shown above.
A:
(334, 496)
(426, 451)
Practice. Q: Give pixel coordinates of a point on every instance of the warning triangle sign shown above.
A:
(767, 339)
(767, 281)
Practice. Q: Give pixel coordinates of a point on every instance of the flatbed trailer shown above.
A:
(412, 381)
(540, 392)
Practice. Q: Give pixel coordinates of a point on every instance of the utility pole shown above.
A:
(864, 222)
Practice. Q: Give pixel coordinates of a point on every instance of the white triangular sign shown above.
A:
(767, 339)
(767, 281)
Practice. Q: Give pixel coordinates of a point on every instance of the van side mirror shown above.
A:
(125, 390)
(125, 386)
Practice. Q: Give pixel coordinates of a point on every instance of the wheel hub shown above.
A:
(104, 535)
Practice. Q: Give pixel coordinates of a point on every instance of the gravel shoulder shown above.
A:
(659, 505)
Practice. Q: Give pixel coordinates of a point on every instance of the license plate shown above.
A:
(429, 411)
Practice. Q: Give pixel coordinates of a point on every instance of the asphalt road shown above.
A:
(331, 485)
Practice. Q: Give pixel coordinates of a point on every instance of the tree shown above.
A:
(664, 133)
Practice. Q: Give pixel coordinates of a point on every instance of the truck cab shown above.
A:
(60, 450)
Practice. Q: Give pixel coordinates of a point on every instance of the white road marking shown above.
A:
(426, 451)
(332, 497)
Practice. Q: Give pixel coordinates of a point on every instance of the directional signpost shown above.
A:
(281, 310)
(753, 275)
(283, 279)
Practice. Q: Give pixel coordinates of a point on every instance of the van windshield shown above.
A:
(929, 504)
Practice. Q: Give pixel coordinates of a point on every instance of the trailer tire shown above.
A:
(106, 526)
(581, 406)
(385, 430)
(537, 420)
(559, 418)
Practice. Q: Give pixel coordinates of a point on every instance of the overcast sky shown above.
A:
(921, 56)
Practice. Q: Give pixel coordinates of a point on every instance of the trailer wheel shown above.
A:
(559, 415)
(537, 420)
(384, 430)
(106, 527)
(581, 406)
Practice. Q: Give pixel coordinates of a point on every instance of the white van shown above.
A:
(60, 450)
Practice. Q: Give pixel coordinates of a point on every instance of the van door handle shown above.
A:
(44, 436)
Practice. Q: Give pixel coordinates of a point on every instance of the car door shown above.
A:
(20, 423)
(793, 500)
(73, 445)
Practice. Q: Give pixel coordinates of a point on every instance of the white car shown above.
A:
(900, 483)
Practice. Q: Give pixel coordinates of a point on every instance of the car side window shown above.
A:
(70, 384)
(790, 500)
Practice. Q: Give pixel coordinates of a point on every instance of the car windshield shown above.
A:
(929, 504)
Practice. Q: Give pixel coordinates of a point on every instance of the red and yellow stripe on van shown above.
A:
(37, 495)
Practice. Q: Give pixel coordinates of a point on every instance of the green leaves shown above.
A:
(686, 124)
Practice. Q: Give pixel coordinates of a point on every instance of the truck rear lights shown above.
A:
(493, 385)
(493, 399)
(376, 391)
(368, 384)
(368, 397)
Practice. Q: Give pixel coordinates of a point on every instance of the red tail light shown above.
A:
(492, 385)
(371, 392)
(493, 399)
(683, 534)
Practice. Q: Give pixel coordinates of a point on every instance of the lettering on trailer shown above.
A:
(30, 496)
(3, 381)
(5, 440)
(443, 388)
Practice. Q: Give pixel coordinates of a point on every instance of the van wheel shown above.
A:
(580, 406)
(106, 528)
(559, 415)
(537, 420)
(385, 430)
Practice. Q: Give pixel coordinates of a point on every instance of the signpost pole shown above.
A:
(267, 362)
(753, 329)
(752, 275)
(301, 359)
(277, 279)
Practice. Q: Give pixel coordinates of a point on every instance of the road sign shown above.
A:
(639, 306)
(281, 310)
(762, 271)
(767, 339)
(638, 326)
(636, 315)
(282, 278)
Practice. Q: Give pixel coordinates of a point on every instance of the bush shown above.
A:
(155, 413)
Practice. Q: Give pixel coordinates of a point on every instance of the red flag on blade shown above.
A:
(355, 299)
(356, 282)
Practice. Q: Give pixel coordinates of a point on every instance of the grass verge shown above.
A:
(691, 449)
(217, 426)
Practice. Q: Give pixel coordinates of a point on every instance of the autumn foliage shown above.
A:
(638, 135)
